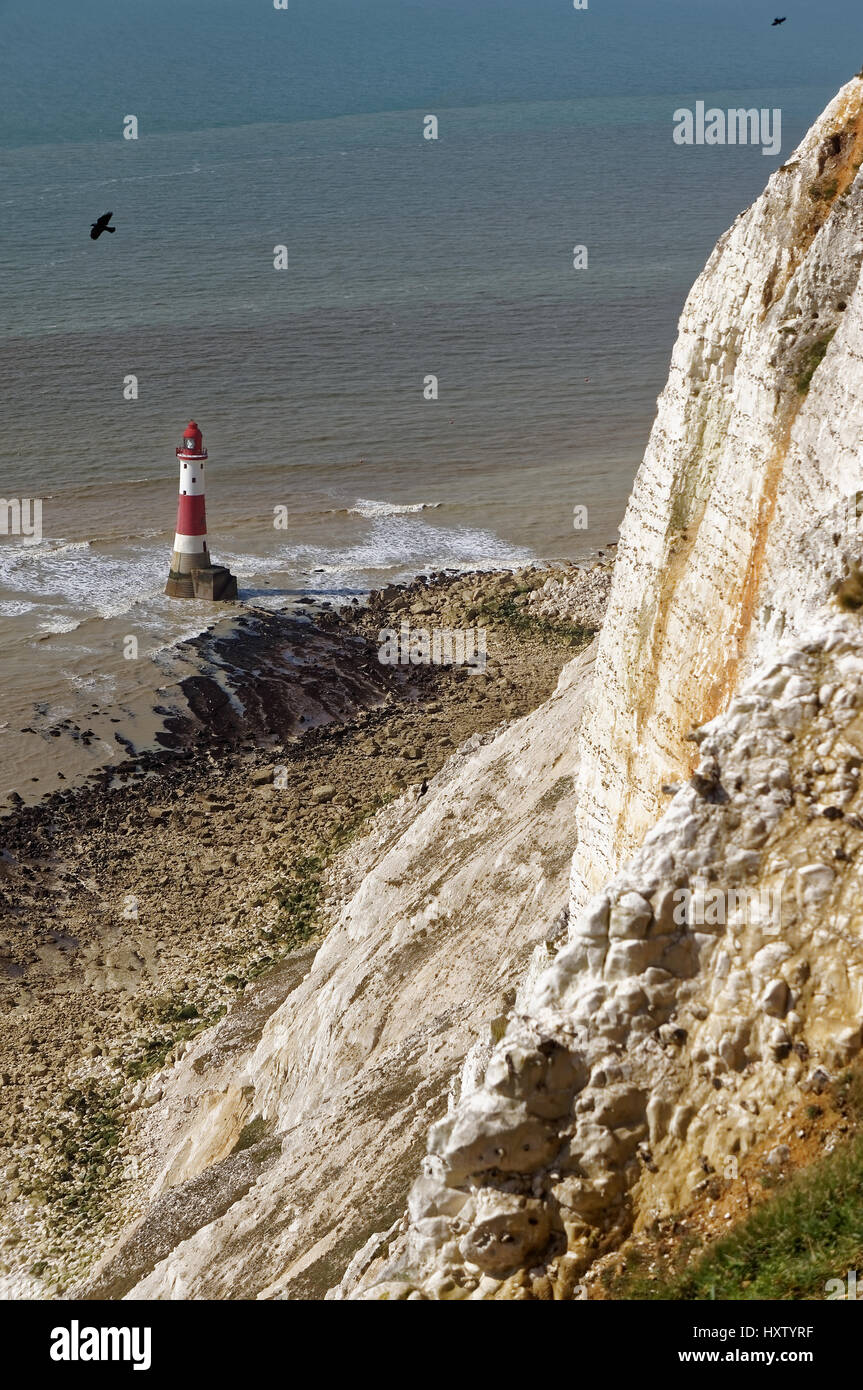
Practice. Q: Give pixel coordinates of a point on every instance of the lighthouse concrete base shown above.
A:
(214, 583)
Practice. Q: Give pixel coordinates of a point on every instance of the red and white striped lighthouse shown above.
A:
(192, 573)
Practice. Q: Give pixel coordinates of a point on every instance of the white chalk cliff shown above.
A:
(718, 557)
(337, 1066)
(639, 1045)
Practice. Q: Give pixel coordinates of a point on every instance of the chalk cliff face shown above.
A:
(642, 1042)
(672, 1031)
(654, 1046)
(756, 437)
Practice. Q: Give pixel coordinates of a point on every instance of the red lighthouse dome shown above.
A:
(192, 446)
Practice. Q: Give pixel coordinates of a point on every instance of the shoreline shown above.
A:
(137, 909)
(73, 738)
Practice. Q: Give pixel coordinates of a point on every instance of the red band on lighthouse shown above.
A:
(191, 517)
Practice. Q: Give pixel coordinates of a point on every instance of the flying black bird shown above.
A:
(779, 21)
(97, 228)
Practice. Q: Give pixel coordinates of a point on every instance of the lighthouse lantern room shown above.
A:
(192, 573)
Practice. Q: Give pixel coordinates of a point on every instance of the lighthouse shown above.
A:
(192, 573)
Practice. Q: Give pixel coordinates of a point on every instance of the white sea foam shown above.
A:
(103, 583)
(245, 565)
(365, 506)
(13, 608)
(60, 625)
(16, 551)
(400, 544)
(104, 687)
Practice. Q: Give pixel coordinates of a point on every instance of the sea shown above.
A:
(428, 383)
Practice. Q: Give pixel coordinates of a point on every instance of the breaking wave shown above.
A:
(365, 506)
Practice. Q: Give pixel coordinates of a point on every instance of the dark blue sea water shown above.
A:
(407, 257)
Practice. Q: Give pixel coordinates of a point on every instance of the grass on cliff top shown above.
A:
(808, 1232)
(788, 1248)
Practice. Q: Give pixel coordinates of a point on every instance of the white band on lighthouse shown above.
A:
(190, 545)
(192, 479)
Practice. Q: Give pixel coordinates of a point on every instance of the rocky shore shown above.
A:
(136, 911)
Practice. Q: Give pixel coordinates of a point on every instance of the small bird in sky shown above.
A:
(97, 228)
(779, 21)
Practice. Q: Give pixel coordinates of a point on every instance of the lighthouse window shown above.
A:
(185, 465)
(194, 480)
